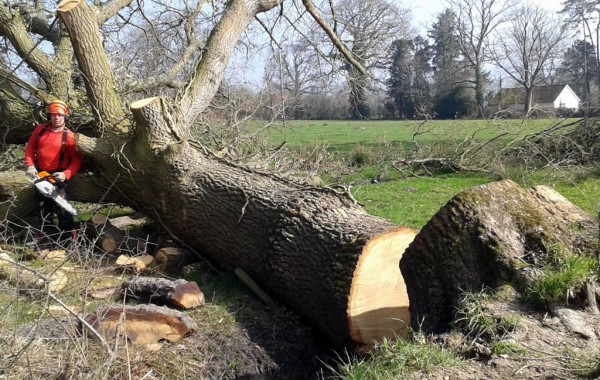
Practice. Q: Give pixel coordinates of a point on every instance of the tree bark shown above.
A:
(81, 23)
(180, 293)
(312, 248)
(485, 237)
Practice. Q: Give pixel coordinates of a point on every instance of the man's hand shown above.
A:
(59, 176)
(31, 172)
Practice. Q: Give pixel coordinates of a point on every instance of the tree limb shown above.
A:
(219, 47)
(80, 21)
(15, 31)
(310, 7)
(109, 9)
(9, 76)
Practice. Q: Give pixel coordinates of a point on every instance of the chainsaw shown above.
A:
(47, 186)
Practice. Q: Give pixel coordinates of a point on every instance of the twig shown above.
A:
(64, 306)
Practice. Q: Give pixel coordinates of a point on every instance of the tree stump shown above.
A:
(170, 260)
(487, 236)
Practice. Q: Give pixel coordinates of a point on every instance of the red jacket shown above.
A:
(47, 149)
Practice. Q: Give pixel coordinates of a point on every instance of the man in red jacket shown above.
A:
(51, 148)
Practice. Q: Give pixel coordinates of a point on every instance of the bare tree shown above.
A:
(290, 74)
(476, 21)
(531, 40)
(369, 28)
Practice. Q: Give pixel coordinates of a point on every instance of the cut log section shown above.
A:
(378, 306)
(170, 260)
(107, 236)
(485, 237)
(137, 264)
(126, 221)
(143, 324)
(180, 293)
(25, 279)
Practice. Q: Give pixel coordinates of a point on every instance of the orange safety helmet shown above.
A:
(58, 106)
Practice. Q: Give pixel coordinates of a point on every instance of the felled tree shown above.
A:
(313, 248)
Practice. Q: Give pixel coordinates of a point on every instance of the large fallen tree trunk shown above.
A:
(488, 236)
(314, 249)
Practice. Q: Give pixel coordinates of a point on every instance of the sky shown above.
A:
(425, 11)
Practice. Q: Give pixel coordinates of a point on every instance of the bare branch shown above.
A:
(219, 47)
(99, 82)
(310, 7)
(110, 9)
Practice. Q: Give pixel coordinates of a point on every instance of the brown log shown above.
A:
(107, 237)
(16, 196)
(180, 293)
(170, 260)
(143, 324)
(488, 236)
(302, 245)
(12, 183)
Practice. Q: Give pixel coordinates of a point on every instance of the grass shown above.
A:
(343, 135)
(393, 359)
(475, 321)
(584, 366)
(508, 348)
(563, 275)
(412, 202)
(362, 148)
(369, 148)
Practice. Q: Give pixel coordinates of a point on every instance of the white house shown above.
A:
(550, 99)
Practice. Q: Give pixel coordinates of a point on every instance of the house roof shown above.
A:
(541, 94)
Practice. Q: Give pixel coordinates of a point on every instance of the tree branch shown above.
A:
(310, 7)
(109, 9)
(14, 29)
(219, 47)
(9, 76)
(80, 21)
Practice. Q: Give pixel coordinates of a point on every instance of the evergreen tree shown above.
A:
(408, 85)
(451, 96)
(579, 68)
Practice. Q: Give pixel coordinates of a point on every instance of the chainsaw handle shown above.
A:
(45, 176)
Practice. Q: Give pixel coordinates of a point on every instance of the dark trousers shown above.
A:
(46, 208)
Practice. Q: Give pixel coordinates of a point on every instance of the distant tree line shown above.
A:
(472, 49)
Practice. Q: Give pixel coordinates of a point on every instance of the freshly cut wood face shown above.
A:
(378, 305)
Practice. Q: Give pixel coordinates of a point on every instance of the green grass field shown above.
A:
(343, 135)
(411, 201)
